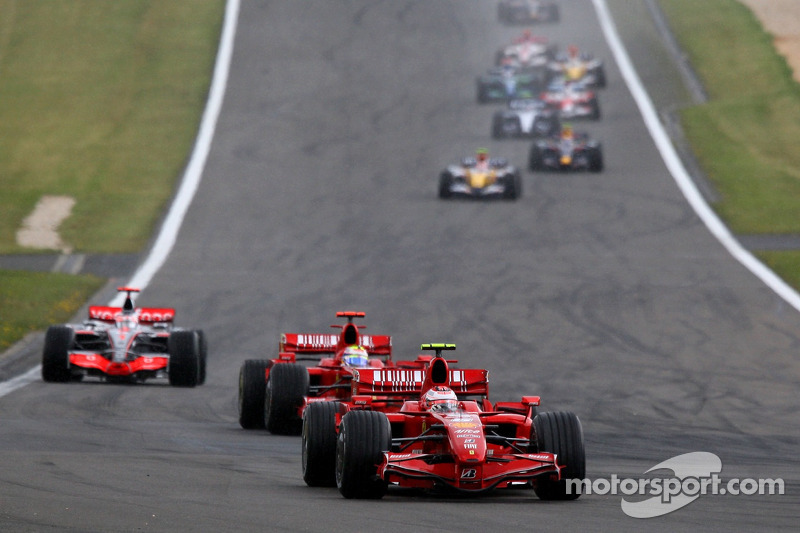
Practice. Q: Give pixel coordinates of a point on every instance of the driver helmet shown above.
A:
(482, 155)
(572, 50)
(440, 399)
(355, 356)
(126, 321)
(566, 131)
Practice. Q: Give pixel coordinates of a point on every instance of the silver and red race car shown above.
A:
(446, 435)
(527, 51)
(574, 100)
(274, 393)
(125, 344)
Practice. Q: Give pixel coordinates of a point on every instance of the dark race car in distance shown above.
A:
(527, 11)
(578, 152)
(504, 83)
(125, 344)
(526, 118)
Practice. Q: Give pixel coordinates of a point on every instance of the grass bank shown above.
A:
(33, 301)
(100, 101)
(745, 137)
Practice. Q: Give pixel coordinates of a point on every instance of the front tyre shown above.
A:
(363, 437)
(252, 389)
(445, 183)
(55, 356)
(559, 433)
(184, 358)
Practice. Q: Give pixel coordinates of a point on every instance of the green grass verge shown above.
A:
(100, 101)
(784, 263)
(33, 301)
(745, 137)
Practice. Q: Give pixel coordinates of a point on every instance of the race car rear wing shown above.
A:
(145, 315)
(326, 343)
(408, 382)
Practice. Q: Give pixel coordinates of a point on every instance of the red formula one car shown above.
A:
(127, 344)
(449, 436)
(274, 393)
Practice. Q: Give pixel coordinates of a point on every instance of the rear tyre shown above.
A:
(535, 159)
(287, 387)
(55, 356)
(445, 182)
(319, 444)
(203, 352)
(559, 433)
(252, 389)
(596, 160)
(513, 186)
(595, 105)
(184, 359)
(498, 132)
(363, 437)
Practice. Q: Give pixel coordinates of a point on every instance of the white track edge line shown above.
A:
(678, 170)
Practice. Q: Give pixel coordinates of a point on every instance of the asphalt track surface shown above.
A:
(604, 294)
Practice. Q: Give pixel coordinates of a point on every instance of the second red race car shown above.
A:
(274, 393)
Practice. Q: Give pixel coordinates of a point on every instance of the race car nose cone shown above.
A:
(118, 369)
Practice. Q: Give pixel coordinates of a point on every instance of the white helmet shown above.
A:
(355, 356)
(440, 399)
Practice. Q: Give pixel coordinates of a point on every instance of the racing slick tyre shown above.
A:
(513, 186)
(445, 182)
(482, 91)
(595, 105)
(600, 77)
(287, 387)
(535, 159)
(363, 437)
(319, 444)
(203, 346)
(596, 160)
(497, 126)
(55, 356)
(545, 127)
(503, 128)
(252, 389)
(184, 358)
(559, 433)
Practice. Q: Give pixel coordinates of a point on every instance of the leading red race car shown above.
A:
(274, 393)
(448, 436)
(125, 344)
